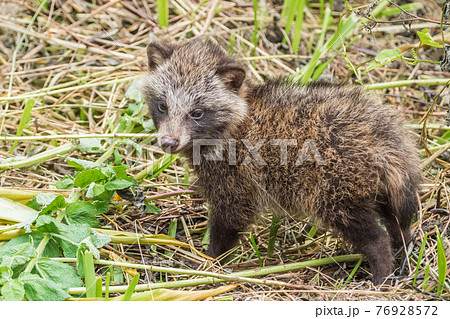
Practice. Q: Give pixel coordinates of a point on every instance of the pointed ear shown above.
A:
(232, 76)
(157, 53)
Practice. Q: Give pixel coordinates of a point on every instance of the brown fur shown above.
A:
(371, 169)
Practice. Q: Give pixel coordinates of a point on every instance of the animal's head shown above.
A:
(194, 92)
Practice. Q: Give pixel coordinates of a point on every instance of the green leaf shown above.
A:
(137, 147)
(133, 108)
(383, 58)
(39, 289)
(71, 236)
(148, 125)
(163, 13)
(65, 276)
(298, 25)
(101, 206)
(419, 258)
(13, 290)
(120, 172)
(129, 292)
(108, 171)
(5, 274)
(255, 247)
(95, 190)
(91, 145)
(89, 176)
(35, 237)
(98, 192)
(152, 208)
(119, 184)
(99, 239)
(406, 7)
(125, 122)
(47, 203)
(134, 93)
(344, 29)
(74, 233)
(426, 39)
(117, 157)
(13, 256)
(90, 245)
(80, 164)
(24, 120)
(82, 213)
(442, 262)
(66, 183)
(276, 223)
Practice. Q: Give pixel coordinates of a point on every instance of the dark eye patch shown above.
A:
(159, 105)
(211, 125)
(158, 111)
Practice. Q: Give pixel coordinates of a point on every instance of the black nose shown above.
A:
(170, 143)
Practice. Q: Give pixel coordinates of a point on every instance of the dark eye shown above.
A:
(161, 106)
(197, 114)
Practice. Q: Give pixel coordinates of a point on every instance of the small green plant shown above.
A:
(419, 259)
(293, 9)
(390, 55)
(163, 12)
(62, 224)
(25, 268)
(298, 25)
(442, 263)
(315, 68)
(65, 224)
(255, 37)
(349, 278)
(256, 248)
(26, 117)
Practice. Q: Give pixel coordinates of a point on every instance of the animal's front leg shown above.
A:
(227, 218)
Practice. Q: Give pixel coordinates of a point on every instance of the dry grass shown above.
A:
(85, 54)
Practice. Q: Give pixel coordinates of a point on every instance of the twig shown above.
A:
(209, 17)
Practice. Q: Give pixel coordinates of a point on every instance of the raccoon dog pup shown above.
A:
(331, 152)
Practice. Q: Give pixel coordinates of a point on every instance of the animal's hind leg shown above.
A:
(398, 221)
(362, 230)
(399, 235)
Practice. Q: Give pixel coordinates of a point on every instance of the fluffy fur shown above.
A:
(366, 175)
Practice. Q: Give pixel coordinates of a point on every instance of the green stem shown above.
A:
(217, 278)
(39, 158)
(107, 281)
(429, 127)
(396, 84)
(155, 168)
(74, 136)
